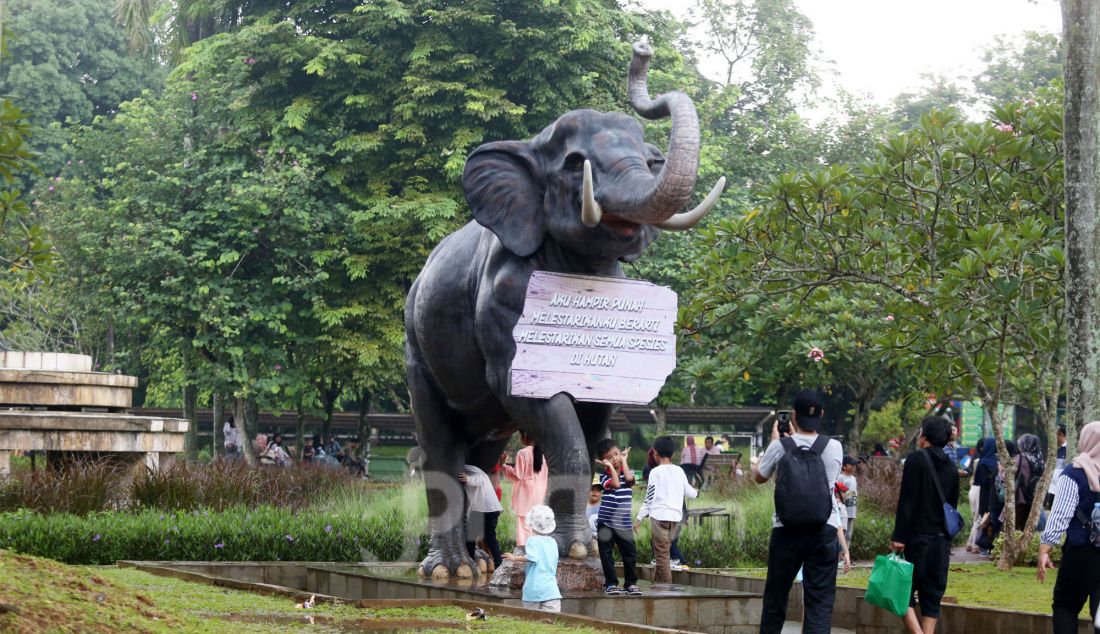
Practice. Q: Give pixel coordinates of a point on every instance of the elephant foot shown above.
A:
(484, 561)
(577, 550)
(576, 544)
(448, 559)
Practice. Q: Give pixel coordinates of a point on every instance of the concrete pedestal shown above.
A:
(573, 574)
(45, 394)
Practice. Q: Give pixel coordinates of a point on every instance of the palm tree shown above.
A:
(175, 24)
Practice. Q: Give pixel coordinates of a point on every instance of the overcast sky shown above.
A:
(881, 47)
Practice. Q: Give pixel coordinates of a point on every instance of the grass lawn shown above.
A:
(38, 595)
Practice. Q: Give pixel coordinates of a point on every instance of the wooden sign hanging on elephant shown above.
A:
(599, 339)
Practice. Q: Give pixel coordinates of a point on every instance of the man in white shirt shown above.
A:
(664, 501)
(813, 548)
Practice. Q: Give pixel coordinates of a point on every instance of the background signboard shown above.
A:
(600, 339)
(976, 424)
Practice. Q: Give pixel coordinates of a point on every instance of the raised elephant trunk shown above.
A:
(672, 188)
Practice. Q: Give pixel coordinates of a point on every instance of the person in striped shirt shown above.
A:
(614, 525)
(1075, 493)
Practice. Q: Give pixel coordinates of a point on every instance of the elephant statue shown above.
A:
(584, 195)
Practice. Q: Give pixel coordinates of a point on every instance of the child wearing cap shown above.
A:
(540, 586)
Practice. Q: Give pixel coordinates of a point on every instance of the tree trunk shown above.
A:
(364, 431)
(1048, 415)
(329, 393)
(1081, 37)
(863, 399)
(300, 432)
(1010, 551)
(247, 425)
(218, 437)
(190, 406)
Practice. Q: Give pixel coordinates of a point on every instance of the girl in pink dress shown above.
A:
(529, 478)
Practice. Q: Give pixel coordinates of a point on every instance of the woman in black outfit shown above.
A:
(920, 530)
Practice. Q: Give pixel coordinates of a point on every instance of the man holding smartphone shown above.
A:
(804, 528)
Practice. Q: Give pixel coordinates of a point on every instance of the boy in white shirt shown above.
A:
(664, 501)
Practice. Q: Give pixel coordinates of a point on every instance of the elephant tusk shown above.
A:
(688, 219)
(590, 209)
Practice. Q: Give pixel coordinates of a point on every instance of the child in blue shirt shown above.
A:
(540, 585)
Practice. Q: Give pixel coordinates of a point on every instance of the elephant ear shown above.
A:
(504, 191)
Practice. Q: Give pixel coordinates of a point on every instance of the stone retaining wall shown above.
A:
(851, 612)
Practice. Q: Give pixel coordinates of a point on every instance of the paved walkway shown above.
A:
(794, 627)
(958, 556)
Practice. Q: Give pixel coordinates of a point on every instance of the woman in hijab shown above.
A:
(1029, 468)
(985, 477)
(986, 473)
(1076, 492)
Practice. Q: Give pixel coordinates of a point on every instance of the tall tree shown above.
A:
(938, 92)
(294, 175)
(69, 63)
(25, 253)
(1017, 67)
(957, 227)
(1081, 24)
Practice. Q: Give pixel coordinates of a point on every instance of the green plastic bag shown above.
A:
(891, 584)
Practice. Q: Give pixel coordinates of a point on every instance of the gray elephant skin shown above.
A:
(584, 195)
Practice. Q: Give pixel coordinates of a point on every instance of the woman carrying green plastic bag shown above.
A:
(891, 584)
(926, 521)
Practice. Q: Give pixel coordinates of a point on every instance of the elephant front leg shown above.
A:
(445, 453)
(447, 554)
(553, 424)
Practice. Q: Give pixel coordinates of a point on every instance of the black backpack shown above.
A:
(802, 490)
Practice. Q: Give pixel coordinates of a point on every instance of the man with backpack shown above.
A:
(804, 529)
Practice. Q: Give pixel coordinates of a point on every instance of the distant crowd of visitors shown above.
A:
(271, 450)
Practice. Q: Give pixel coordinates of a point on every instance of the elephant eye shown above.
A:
(574, 162)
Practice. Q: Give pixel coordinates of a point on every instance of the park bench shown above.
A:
(709, 512)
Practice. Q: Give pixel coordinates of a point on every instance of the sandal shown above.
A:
(634, 590)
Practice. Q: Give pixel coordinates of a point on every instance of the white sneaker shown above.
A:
(674, 562)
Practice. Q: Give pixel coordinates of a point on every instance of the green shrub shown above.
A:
(262, 534)
(90, 486)
(1028, 557)
(83, 486)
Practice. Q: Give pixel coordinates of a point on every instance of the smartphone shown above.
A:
(784, 418)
